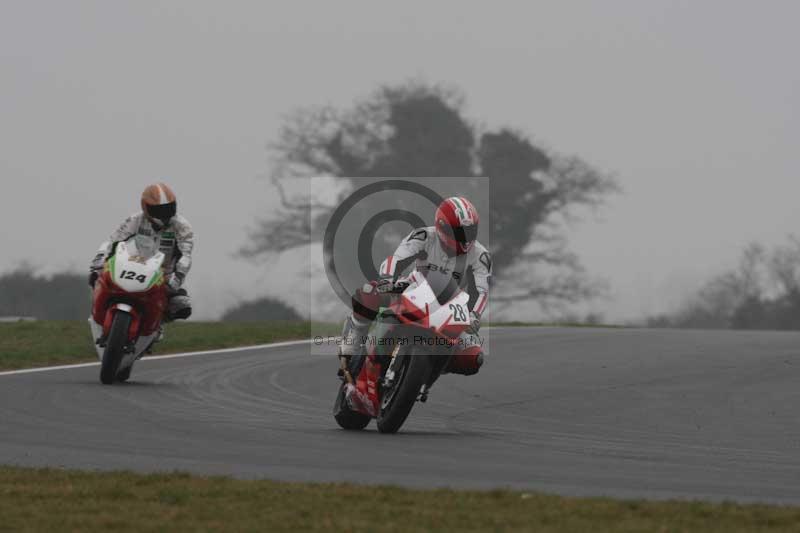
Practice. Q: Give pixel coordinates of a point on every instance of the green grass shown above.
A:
(42, 343)
(63, 500)
(53, 342)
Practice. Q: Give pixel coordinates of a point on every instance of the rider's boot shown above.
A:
(179, 307)
(159, 338)
(354, 333)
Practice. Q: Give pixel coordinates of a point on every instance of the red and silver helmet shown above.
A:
(456, 224)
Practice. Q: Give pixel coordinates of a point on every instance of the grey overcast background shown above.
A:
(693, 105)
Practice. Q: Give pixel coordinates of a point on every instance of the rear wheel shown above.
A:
(346, 417)
(397, 401)
(115, 345)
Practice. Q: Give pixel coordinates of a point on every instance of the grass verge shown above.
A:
(54, 342)
(46, 342)
(64, 500)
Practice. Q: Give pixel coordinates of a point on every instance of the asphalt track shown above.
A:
(627, 413)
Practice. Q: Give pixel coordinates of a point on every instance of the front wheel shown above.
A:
(115, 346)
(397, 401)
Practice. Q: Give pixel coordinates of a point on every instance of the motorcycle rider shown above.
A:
(450, 245)
(173, 236)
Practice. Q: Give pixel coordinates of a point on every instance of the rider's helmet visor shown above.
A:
(465, 234)
(162, 212)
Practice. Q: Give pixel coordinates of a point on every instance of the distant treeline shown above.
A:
(261, 309)
(763, 292)
(67, 297)
(58, 297)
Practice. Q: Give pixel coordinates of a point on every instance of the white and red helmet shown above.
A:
(456, 224)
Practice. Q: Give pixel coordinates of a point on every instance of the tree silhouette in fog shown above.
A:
(418, 130)
(58, 297)
(763, 292)
(260, 309)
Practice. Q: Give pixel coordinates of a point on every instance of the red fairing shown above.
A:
(466, 361)
(367, 381)
(452, 331)
(132, 329)
(408, 313)
(149, 306)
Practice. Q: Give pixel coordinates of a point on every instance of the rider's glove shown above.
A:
(98, 261)
(474, 321)
(384, 285)
(174, 282)
(93, 275)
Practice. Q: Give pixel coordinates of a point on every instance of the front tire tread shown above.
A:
(115, 347)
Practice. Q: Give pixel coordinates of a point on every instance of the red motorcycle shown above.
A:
(128, 304)
(421, 335)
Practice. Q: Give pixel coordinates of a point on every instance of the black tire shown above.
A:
(345, 417)
(117, 339)
(417, 370)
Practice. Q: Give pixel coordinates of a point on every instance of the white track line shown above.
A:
(156, 357)
(171, 356)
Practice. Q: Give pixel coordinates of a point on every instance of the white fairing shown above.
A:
(97, 332)
(135, 266)
(452, 312)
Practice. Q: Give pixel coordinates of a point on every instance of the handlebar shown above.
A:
(400, 286)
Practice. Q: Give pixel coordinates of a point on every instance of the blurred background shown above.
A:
(642, 155)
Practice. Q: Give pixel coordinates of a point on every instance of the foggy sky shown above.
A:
(693, 105)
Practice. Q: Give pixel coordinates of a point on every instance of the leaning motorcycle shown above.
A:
(128, 304)
(421, 335)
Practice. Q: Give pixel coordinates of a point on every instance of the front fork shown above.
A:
(388, 379)
(344, 364)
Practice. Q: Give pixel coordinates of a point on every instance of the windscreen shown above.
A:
(145, 246)
(443, 285)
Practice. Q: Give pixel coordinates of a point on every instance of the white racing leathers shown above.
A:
(473, 272)
(175, 241)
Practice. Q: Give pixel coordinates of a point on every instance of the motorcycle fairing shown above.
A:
(140, 293)
(140, 273)
(150, 305)
(363, 396)
(420, 301)
(417, 309)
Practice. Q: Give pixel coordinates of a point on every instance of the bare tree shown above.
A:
(419, 130)
(784, 266)
(763, 292)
